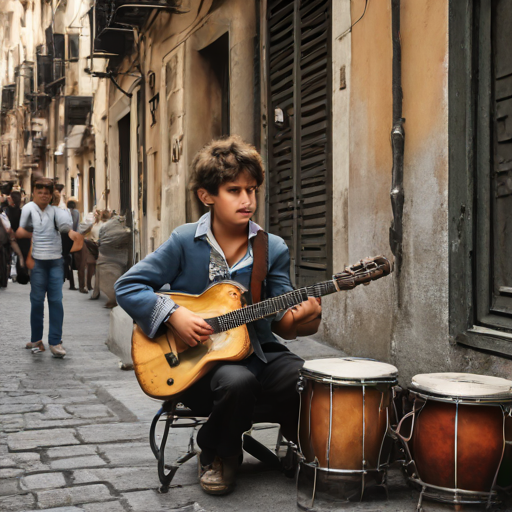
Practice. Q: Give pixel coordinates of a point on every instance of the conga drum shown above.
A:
(457, 439)
(343, 423)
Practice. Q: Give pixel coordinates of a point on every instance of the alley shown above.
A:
(74, 431)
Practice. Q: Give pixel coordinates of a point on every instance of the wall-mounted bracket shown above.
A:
(153, 106)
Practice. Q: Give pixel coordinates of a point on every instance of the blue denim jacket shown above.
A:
(182, 262)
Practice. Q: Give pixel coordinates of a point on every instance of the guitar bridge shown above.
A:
(172, 359)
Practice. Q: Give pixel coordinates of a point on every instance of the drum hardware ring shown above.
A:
(314, 465)
(458, 493)
(342, 382)
(464, 400)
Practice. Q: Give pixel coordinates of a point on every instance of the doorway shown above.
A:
(124, 169)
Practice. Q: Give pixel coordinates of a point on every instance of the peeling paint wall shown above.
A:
(360, 321)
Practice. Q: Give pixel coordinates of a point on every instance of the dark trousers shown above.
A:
(234, 395)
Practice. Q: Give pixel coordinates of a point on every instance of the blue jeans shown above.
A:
(47, 277)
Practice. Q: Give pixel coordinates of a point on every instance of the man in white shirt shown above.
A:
(44, 223)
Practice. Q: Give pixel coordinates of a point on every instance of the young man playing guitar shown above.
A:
(261, 387)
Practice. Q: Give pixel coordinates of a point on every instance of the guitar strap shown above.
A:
(259, 265)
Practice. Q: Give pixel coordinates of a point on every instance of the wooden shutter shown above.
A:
(299, 80)
(501, 200)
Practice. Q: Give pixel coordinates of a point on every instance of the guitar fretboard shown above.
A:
(269, 307)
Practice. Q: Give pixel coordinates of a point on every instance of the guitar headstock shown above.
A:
(362, 272)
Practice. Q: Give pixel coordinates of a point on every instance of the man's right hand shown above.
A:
(191, 328)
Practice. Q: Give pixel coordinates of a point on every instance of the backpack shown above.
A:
(4, 236)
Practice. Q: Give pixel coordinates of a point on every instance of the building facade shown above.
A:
(347, 100)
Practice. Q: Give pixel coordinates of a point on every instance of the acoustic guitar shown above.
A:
(165, 366)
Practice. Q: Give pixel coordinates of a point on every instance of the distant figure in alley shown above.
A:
(44, 223)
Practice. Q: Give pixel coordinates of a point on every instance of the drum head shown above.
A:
(464, 385)
(346, 368)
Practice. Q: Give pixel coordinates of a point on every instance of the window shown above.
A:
(58, 46)
(216, 61)
(73, 47)
(480, 129)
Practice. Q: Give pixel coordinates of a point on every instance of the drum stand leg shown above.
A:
(314, 488)
(362, 482)
(419, 508)
(384, 483)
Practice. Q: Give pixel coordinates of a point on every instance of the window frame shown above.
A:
(77, 37)
(470, 96)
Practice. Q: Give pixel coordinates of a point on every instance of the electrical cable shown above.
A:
(353, 24)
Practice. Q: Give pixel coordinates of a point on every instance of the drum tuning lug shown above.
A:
(301, 384)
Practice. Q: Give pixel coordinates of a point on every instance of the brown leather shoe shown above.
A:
(219, 476)
(37, 346)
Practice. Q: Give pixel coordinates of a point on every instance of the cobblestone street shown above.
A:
(75, 431)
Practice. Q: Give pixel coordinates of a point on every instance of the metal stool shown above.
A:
(176, 415)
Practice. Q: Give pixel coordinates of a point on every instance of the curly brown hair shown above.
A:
(222, 160)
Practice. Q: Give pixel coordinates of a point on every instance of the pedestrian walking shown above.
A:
(67, 243)
(7, 244)
(13, 212)
(44, 223)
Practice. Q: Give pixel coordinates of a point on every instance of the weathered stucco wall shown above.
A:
(420, 338)
(404, 320)
(359, 321)
(186, 118)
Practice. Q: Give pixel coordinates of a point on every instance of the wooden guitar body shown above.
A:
(154, 372)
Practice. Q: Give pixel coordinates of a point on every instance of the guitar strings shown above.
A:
(268, 307)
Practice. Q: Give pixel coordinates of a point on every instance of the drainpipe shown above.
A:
(397, 143)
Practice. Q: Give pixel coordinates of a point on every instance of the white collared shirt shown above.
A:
(219, 267)
(46, 226)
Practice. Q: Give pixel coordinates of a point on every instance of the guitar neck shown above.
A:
(270, 306)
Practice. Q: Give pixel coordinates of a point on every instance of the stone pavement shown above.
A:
(74, 432)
